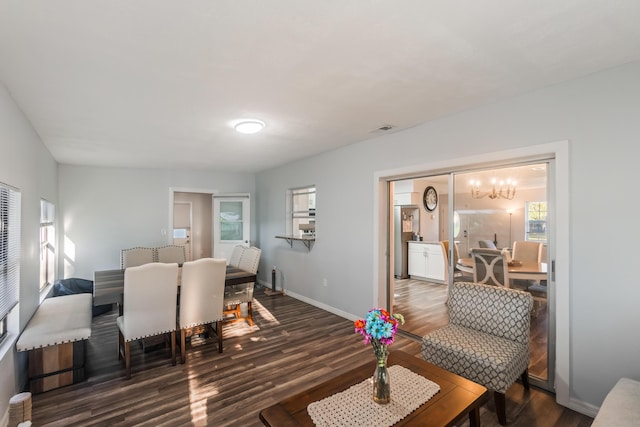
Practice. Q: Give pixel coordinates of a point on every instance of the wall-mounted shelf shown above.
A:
(308, 241)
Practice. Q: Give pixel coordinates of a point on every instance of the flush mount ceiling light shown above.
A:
(249, 126)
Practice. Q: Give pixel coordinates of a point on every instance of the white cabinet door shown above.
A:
(435, 263)
(426, 261)
(416, 260)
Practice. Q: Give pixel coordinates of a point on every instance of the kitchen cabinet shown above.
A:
(427, 261)
(407, 199)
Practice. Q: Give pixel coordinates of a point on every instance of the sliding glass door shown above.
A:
(508, 209)
(494, 206)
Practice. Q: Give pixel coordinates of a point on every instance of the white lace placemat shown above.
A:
(355, 406)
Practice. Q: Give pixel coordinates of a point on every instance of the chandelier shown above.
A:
(499, 190)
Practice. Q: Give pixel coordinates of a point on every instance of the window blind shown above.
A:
(9, 248)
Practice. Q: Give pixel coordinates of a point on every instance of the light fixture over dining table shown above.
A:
(499, 189)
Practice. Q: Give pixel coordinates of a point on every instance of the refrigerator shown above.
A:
(406, 224)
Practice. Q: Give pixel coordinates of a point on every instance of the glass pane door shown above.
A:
(230, 223)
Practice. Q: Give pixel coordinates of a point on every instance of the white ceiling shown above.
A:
(158, 83)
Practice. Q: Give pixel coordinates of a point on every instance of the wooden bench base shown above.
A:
(55, 341)
(56, 366)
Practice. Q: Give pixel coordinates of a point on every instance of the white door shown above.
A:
(231, 222)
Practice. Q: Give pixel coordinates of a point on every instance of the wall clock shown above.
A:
(430, 199)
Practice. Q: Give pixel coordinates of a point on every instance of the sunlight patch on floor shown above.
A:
(264, 313)
(198, 398)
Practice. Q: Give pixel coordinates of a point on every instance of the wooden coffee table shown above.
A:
(457, 396)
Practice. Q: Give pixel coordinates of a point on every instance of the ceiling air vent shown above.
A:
(383, 128)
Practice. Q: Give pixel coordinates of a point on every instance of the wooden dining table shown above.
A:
(527, 270)
(108, 285)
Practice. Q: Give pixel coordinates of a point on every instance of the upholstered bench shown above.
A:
(55, 338)
(621, 407)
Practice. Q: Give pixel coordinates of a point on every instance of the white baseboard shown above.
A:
(325, 307)
(583, 407)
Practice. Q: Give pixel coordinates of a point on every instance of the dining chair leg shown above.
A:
(120, 344)
(249, 314)
(183, 346)
(127, 359)
(219, 334)
(173, 348)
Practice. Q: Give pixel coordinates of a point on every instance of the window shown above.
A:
(47, 243)
(303, 211)
(180, 233)
(231, 220)
(9, 253)
(536, 222)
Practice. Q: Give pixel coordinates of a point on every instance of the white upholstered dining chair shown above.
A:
(172, 253)
(133, 257)
(243, 293)
(149, 309)
(236, 255)
(527, 251)
(531, 252)
(201, 298)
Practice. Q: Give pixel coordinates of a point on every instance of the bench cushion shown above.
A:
(58, 320)
(621, 407)
(492, 361)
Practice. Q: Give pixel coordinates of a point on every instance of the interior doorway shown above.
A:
(192, 223)
(182, 226)
(458, 220)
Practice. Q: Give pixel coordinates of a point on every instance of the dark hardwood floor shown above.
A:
(292, 346)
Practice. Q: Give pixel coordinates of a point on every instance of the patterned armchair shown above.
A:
(486, 340)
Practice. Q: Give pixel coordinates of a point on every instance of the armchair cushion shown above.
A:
(483, 358)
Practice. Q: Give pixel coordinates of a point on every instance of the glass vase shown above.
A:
(381, 380)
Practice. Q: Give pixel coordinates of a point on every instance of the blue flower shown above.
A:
(387, 330)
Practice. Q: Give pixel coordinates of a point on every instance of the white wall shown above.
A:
(27, 165)
(598, 114)
(429, 221)
(108, 209)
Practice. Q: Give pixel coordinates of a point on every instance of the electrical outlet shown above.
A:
(324, 283)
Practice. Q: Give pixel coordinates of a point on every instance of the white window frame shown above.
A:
(529, 233)
(47, 244)
(297, 216)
